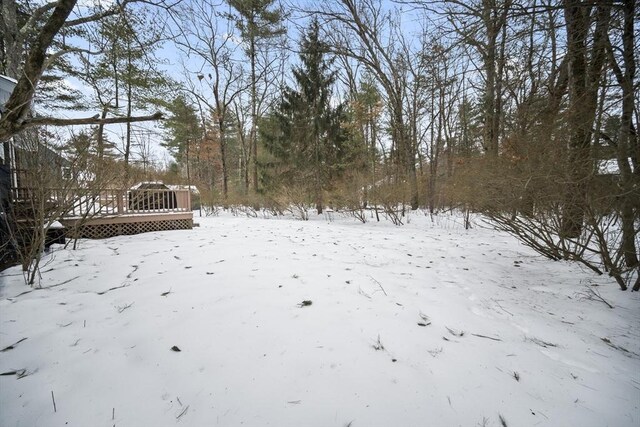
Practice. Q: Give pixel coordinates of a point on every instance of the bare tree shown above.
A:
(51, 186)
(363, 30)
(628, 145)
(207, 36)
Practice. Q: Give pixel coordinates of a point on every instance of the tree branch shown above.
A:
(57, 55)
(37, 14)
(118, 8)
(95, 120)
(20, 99)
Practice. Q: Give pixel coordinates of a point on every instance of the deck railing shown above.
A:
(109, 202)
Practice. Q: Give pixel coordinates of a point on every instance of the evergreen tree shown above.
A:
(183, 126)
(305, 132)
(258, 23)
(123, 74)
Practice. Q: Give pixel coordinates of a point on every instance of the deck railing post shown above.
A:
(120, 202)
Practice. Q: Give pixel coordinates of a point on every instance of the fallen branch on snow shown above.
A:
(124, 285)
(122, 308)
(184, 411)
(363, 293)
(20, 373)
(592, 295)
(485, 336)
(501, 307)
(385, 292)
(12, 346)
(40, 289)
(616, 347)
(540, 342)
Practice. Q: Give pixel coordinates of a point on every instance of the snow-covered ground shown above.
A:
(422, 325)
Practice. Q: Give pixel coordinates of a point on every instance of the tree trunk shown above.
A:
(253, 137)
(584, 80)
(11, 39)
(374, 185)
(188, 143)
(223, 158)
(493, 25)
(100, 134)
(19, 103)
(489, 137)
(626, 136)
(127, 148)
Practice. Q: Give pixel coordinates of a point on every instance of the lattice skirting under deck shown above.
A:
(103, 231)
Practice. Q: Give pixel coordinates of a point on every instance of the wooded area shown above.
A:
(525, 111)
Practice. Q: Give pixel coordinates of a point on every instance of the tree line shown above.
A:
(523, 110)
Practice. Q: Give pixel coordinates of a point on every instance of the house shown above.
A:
(6, 87)
(36, 190)
(7, 250)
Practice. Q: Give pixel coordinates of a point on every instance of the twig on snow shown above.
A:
(593, 295)
(39, 289)
(385, 292)
(540, 342)
(20, 294)
(501, 307)
(54, 402)
(122, 308)
(454, 332)
(485, 336)
(363, 293)
(378, 344)
(63, 283)
(12, 346)
(184, 411)
(617, 347)
(20, 373)
(124, 285)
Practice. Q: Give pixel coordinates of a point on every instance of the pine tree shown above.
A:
(305, 132)
(258, 23)
(123, 75)
(184, 130)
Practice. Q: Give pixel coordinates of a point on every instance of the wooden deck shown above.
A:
(110, 226)
(109, 213)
